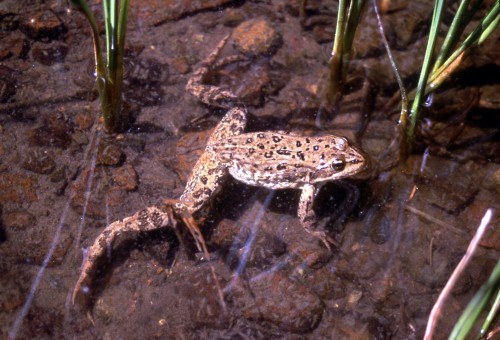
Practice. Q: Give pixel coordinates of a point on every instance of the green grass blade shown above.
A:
(339, 29)
(337, 52)
(424, 73)
(477, 305)
(122, 27)
(456, 28)
(476, 37)
(493, 313)
(353, 16)
(84, 7)
(108, 28)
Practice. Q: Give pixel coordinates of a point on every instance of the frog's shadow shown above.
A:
(334, 203)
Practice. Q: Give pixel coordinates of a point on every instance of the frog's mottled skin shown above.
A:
(275, 159)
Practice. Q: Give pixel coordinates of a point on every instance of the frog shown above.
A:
(268, 159)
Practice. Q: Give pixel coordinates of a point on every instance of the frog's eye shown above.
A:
(338, 164)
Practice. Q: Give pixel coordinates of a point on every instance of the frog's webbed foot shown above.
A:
(210, 94)
(147, 219)
(180, 213)
(323, 237)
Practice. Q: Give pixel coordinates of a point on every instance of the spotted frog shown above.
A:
(273, 159)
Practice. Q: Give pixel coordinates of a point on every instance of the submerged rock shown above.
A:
(42, 26)
(275, 298)
(256, 37)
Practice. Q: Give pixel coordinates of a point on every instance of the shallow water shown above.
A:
(400, 231)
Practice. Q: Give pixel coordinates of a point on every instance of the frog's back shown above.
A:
(280, 159)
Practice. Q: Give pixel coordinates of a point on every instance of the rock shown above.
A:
(233, 17)
(103, 311)
(445, 183)
(143, 82)
(126, 177)
(157, 12)
(252, 90)
(79, 138)
(95, 206)
(407, 22)
(14, 45)
(39, 163)
(492, 181)
(84, 120)
(276, 299)
(55, 130)
(11, 295)
(324, 283)
(15, 188)
(110, 154)
(50, 55)
(323, 34)
(246, 250)
(256, 37)
(8, 21)
(202, 299)
(367, 41)
(8, 83)
(32, 245)
(489, 97)
(180, 65)
(18, 219)
(43, 26)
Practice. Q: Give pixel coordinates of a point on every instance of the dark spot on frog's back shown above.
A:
(301, 156)
(281, 166)
(315, 148)
(283, 152)
(268, 154)
(261, 136)
(276, 139)
(249, 140)
(204, 179)
(260, 146)
(298, 143)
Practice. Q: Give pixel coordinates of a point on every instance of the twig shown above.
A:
(435, 220)
(436, 310)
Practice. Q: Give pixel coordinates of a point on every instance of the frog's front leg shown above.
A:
(308, 217)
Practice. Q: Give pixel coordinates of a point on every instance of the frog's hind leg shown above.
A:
(232, 124)
(151, 218)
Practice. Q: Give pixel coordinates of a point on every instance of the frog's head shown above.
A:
(341, 161)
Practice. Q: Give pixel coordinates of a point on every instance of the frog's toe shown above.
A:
(82, 295)
(323, 237)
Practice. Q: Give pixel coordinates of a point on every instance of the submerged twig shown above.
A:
(434, 220)
(401, 128)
